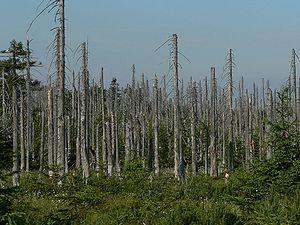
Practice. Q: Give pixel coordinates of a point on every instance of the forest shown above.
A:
(153, 151)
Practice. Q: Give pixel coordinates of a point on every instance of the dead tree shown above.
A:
(78, 138)
(61, 90)
(115, 123)
(213, 141)
(178, 158)
(156, 156)
(178, 162)
(247, 130)
(104, 152)
(68, 143)
(269, 115)
(22, 147)
(206, 122)
(230, 101)
(42, 139)
(50, 129)
(84, 114)
(97, 166)
(15, 169)
(293, 79)
(3, 116)
(193, 106)
(144, 111)
(28, 109)
(109, 149)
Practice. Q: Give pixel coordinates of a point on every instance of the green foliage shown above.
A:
(165, 153)
(137, 197)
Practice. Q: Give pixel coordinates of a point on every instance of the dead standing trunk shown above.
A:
(22, 147)
(28, 109)
(206, 121)
(293, 79)
(213, 142)
(84, 115)
(178, 158)
(193, 106)
(104, 152)
(230, 92)
(15, 169)
(78, 138)
(50, 129)
(41, 153)
(156, 157)
(109, 150)
(61, 90)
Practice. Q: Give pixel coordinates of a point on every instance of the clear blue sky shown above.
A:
(122, 32)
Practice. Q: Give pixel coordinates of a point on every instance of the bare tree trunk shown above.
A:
(4, 111)
(84, 116)
(22, 147)
(55, 136)
(223, 141)
(104, 153)
(115, 127)
(144, 108)
(83, 153)
(78, 138)
(113, 142)
(178, 162)
(261, 139)
(118, 168)
(206, 128)
(270, 116)
(263, 116)
(127, 142)
(68, 144)
(213, 142)
(109, 150)
(91, 113)
(33, 143)
(156, 157)
(193, 106)
(61, 91)
(247, 131)
(15, 169)
(231, 142)
(50, 129)
(74, 115)
(97, 166)
(28, 109)
(293, 78)
(41, 155)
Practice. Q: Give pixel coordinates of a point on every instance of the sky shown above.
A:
(120, 33)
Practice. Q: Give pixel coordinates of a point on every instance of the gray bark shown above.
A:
(213, 141)
(104, 152)
(193, 107)
(22, 147)
(84, 115)
(50, 129)
(178, 162)
(41, 155)
(78, 138)
(28, 109)
(156, 156)
(15, 169)
(61, 91)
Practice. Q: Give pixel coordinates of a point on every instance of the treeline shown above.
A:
(203, 127)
